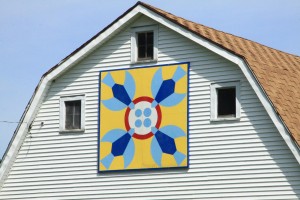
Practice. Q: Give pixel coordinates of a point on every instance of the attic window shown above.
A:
(72, 114)
(144, 44)
(225, 101)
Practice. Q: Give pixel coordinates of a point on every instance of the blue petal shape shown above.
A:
(172, 100)
(156, 151)
(108, 80)
(114, 104)
(154, 129)
(121, 94)
(166, 89)
(173, 131)
(107, 160)
(156, 82)
(131, 131)
(166, 143)
(154, 104)
(113, 135)
(179, 73)
(129, 85)
(119, 146)
(129, 153)
(131, 106)
(179, 157)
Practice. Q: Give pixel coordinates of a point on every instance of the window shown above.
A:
(144, 44)
(72, 113)
(225, 101)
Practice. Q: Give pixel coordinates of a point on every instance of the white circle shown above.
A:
(132, 118)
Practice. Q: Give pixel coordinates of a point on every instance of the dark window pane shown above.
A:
(226, 102)
(76, 124)
(77, 107)
(145, 45)
(68, 124)
(150, 52)
(73, 115)
(141, 52)
(150, 38)
(141, 39)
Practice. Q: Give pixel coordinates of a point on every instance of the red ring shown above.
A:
(159, 117)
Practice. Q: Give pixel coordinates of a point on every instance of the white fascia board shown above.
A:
(45, 84)
(22, 130)
(243, 66)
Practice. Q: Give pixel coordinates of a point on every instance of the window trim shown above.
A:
(62, 113)
(134, 47)
(214, 100)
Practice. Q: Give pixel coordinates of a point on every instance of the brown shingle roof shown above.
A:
(277, 72)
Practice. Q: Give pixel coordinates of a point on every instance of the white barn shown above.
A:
(248, 151)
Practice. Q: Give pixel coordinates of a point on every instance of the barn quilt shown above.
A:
(143, 118)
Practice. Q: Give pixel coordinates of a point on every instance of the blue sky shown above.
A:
(35, 35)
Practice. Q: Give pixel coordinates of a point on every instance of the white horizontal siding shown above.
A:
(233, 160)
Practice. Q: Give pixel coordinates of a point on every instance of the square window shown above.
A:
(72, 113)
(225, 101)
(144, 44)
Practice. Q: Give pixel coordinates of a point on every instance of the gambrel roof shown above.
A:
(274, 75)
(277, 72)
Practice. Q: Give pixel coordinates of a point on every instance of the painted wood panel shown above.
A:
(240, 159)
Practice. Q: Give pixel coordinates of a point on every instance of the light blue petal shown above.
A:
(131, 106)
(107, 160)
(129, 85)
(156, 82)
(173, 131)
(154, 129)
(154, 104)
(108, 80)
(172, 100)
(114, 104)
(179, 73)
(179, 157)
(128, 153)
(156, 151)
(113, 135)
(131, 131)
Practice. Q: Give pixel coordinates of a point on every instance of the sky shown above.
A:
(35, 35)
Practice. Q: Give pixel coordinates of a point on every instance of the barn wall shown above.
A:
(246, 158)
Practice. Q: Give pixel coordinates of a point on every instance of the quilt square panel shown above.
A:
(143, 118)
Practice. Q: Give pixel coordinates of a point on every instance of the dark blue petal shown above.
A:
(166, 143)
(166, 89)
(121, 94)
(119, 146)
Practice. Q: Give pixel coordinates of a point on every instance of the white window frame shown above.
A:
(134, 50)
(214, 100)
(62, 113)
